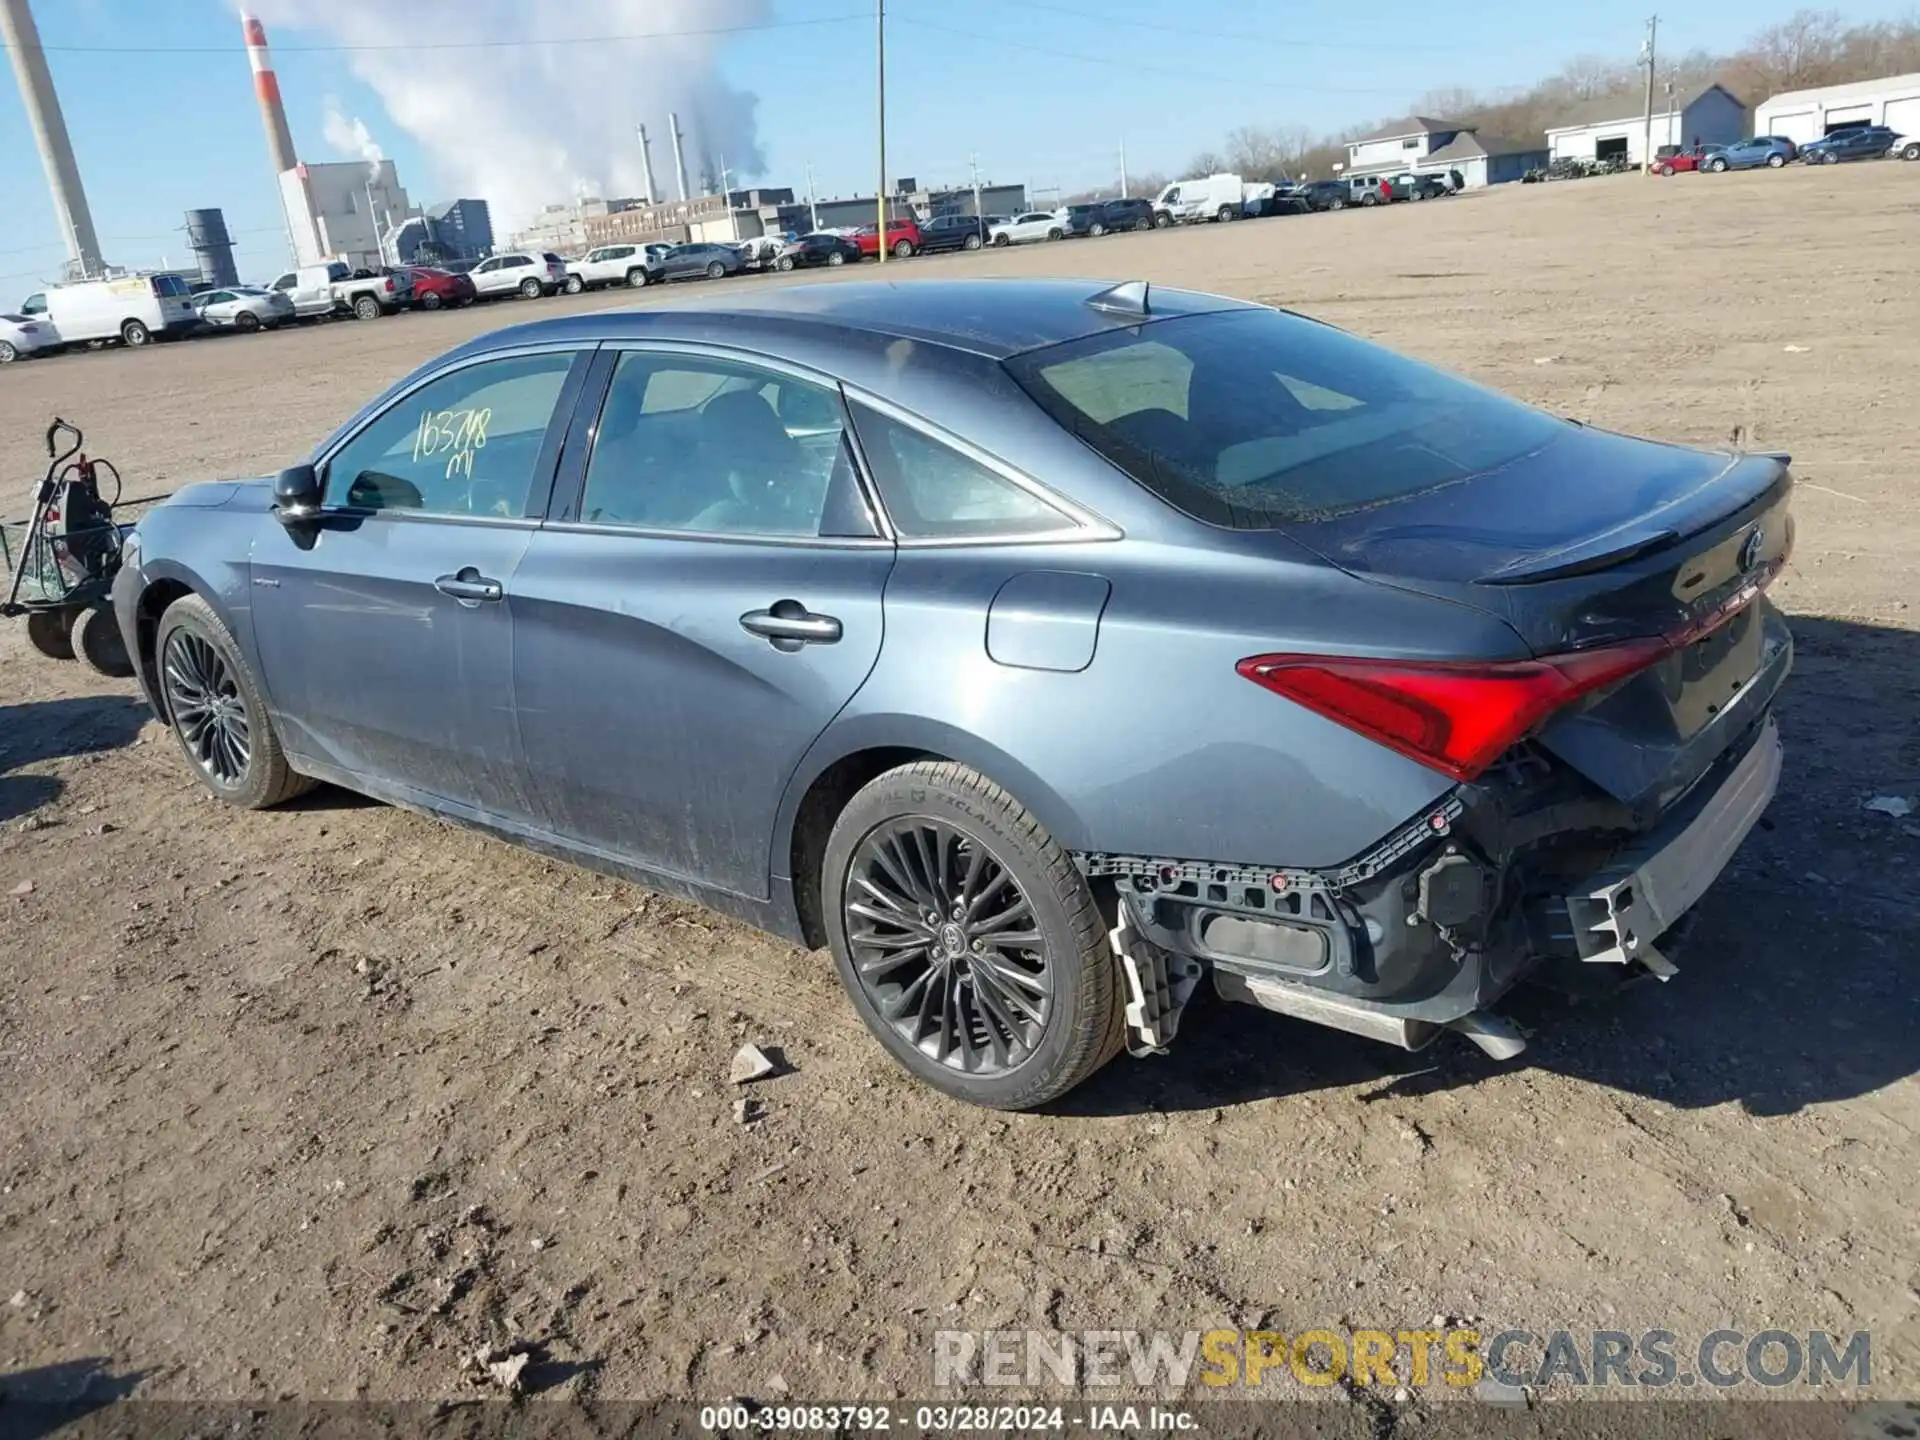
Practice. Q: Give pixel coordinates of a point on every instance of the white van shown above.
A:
(133, 309)
(1210, 197)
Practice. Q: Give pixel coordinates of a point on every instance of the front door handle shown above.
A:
(789, 625)
(469, 586)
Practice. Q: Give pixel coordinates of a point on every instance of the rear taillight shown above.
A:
(389, 285)
(1457, 718)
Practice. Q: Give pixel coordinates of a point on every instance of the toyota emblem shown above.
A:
(1750, 551)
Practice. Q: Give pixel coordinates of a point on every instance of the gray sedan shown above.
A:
(1039, 648)
(244, 307)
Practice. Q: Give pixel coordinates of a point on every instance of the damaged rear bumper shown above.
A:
(1447, 915)
(1617, 915)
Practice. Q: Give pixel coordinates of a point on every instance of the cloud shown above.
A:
(521, 125)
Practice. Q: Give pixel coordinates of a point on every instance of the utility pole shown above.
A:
(973, 163)
(1646, 154)
(1125, 192)
(813, 204)
(880, 52)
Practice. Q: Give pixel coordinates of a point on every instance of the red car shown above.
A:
(1674, 160)
(435, 289)
(903, 238)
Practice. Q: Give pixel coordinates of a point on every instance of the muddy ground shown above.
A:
(311, 1103)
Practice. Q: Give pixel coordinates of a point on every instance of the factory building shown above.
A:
(343, 211)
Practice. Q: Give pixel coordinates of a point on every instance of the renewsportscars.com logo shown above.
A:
(1455, 1356)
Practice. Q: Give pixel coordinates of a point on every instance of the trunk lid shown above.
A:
(1598, 538)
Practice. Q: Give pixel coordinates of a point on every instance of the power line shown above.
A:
(508, 44)
(1240, 35)
(1212, 77)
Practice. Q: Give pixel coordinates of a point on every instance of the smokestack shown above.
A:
(679, 155)
(266, 86)
(211, 245)
(646, 166)
(50, 134)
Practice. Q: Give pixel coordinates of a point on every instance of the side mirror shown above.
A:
(296, 494)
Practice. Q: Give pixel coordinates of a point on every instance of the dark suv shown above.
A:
(953, 232)
(1123, 215)
(1326, 194)
(1869, 142)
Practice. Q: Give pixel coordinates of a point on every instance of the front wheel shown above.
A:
(1717, 166)
(7, 353)
(1667, 170)
(1162, 220)
(973, 242)
(215, 711)
(1910, 152)
(970, 945)
(574, 285)
(785, 262)
(1827, 159)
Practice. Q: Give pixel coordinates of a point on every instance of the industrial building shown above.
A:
(1616, 126)
(343, 211)
(1424, 145)
(1803, 115)
(455, 230)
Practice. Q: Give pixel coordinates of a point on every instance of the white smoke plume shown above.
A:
(350, 136)
(522, 126)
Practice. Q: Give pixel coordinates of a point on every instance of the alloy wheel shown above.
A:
(204, 700)
(947, 947)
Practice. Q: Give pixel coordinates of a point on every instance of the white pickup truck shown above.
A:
(334, 289)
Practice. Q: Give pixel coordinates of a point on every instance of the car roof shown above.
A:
(995, 318)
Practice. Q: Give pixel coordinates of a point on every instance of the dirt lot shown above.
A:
(310, 1103)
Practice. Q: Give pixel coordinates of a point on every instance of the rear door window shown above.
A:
(933, 491)
(1256, 419)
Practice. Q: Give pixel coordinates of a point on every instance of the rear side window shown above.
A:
(1255, 419)
(934, 492)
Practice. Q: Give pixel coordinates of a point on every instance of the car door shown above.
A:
(702, 603)
(489, 276)
(384, 625)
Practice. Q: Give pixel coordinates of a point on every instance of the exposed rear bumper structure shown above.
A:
(1429, 932)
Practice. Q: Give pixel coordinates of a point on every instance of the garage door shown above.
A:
(1904, 116)
(1798, 126)
(1848, 117)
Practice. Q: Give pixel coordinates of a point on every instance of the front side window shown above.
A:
(1256, 419)
(934, 492)
(467, 443)
(715, 447)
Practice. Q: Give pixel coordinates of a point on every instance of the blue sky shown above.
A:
(1042, 94)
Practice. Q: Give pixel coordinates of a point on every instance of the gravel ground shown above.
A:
(313, 1103)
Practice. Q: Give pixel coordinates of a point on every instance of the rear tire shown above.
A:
(636, 279)
(530, 289)
(430, 301)
(1224, 215)
(1776, 160)
(51, 633)
(1338, 202)
(96, 639)
(716, 271)
(195, 648)
(1068, 975)
(133, 335)
(366, 308)
(1096, 230)
(903, 249)
(246, 323)
(973, 242)
(836, 258)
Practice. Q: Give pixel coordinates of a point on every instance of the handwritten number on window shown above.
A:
(456, 434)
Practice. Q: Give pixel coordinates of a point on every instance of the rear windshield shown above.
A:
(1256, 419)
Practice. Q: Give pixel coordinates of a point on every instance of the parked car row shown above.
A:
(1865, 142)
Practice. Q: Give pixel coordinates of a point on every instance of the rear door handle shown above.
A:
(789, 625)
(469, 586)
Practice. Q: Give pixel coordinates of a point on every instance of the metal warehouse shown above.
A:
(1803, 115)
(1616, 125)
